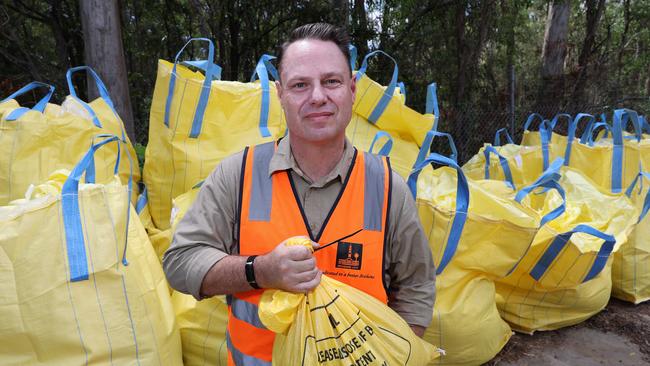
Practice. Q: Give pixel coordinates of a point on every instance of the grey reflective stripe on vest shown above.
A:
(242, 359)
(262, 185)
(245, 311)
(374, 192)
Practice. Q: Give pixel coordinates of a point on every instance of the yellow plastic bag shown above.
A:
(196, 121)
(565, 277)
(402, 145)
(467, 221)
(80, 283)
(631, 265)
(35, 142)
(339, 325)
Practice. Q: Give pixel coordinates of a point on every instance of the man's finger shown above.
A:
(298, 253)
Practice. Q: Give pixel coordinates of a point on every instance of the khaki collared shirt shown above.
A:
(208, 231)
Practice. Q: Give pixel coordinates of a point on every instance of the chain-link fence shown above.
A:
(472, 126)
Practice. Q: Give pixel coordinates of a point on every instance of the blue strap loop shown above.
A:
(530, 120)
(90, 171)
(645, 126)
(353, 56)
(557, 117)
(203, 65)
(545, 134)
(402, 88)
(101, 88)
(630, 189)
(573, 126)
(40, 105)
(594, 131)
(387, 147)
(462, 203)
(72, 217)
(425, 149)
(620, 121)
(497, 136)
(143, 199)
(263, 69)
(390, 89)
(561, 241)
(505, 166)
(548, 180)
(197, 122)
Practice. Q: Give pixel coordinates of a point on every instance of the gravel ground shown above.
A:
(619, 335)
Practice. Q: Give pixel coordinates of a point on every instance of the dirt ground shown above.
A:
(619, 335)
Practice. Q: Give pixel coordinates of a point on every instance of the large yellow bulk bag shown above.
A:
(565, 277)
(85, 287)
(631, 266)
(196, 121)
(380, 106)
(466, 322)
(339, 325)
(467, 221)
(48, 137)
(612, 163)
(378, 111)
(202, 324)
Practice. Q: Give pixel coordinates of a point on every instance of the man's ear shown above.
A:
(353, 87)
(278, 90)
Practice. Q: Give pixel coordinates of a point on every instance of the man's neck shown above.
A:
(316, 160)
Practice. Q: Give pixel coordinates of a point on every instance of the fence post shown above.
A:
(512, 100)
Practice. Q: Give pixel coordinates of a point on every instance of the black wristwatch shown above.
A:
(250, 272)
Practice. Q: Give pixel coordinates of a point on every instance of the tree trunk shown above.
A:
(553, 55)
(360, 27)
(594, 11)
(100, 21)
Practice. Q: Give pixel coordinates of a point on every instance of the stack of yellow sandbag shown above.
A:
(86, 287)
(478, 233)
(34, 142)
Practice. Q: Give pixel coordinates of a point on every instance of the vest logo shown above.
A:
(349, 255)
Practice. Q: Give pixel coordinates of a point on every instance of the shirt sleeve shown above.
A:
(208, 231)
(410, 264)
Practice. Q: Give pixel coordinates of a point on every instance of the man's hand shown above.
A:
(289, 268)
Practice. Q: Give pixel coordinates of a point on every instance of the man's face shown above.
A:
(316, 91)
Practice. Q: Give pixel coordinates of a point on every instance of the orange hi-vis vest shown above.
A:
(270, 212)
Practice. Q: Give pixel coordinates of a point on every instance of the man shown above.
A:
(312, 183)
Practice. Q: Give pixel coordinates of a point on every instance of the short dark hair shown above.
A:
(322, 32)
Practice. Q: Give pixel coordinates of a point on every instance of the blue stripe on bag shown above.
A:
(620, 121)
(39, 107)
(197, 122)
(561, 241)
(646, 202)
(432, 104)
(502, 161)
(462, 203)
(75, 242)
(262, 70)
(390, 89)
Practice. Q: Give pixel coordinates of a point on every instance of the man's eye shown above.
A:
(332, 82)
(299, 85)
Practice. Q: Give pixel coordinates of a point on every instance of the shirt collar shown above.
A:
(283, 160)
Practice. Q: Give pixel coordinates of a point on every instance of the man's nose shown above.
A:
(318, 95)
